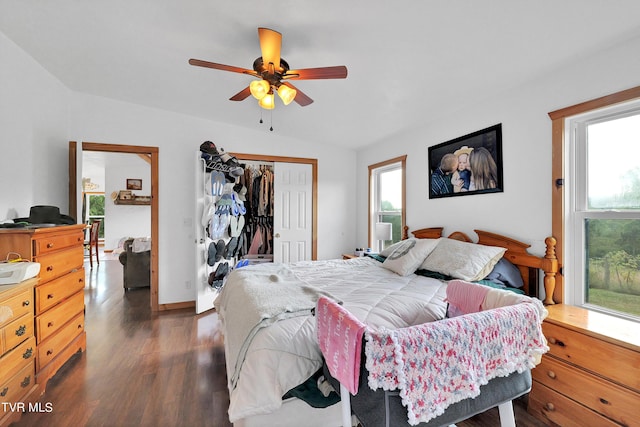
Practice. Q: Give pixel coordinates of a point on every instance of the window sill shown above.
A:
(623, 332)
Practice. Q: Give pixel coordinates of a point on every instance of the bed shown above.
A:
(270, 332)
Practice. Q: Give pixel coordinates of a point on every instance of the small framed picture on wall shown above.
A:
(134, 184)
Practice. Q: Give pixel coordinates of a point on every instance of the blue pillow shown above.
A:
(506, 273)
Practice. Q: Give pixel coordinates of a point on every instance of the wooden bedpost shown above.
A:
(405, 232)
(550, 267)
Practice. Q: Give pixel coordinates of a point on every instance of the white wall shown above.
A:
(523, 210)
(33, 135)
(125, 220)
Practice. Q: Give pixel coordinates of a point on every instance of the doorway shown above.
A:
(152, 153)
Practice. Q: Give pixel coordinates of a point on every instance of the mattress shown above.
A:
(284, 354)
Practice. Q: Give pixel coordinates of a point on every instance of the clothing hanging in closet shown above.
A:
(258, 237)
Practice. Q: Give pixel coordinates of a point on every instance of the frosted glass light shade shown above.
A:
(287, 94)
(259, 88)
(267, 102)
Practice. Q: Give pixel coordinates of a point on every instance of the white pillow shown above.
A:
(387, 251)
(463, 260)
(408, 254)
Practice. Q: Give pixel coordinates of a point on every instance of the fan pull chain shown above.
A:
(271, 128)
(261, 116)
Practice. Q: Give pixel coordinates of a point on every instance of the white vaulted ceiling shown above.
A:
(409, 61)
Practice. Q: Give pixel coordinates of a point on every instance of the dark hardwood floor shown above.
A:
(144, 369)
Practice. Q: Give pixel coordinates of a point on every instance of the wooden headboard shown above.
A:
(528, 265)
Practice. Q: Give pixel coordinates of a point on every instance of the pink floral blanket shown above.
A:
(436, 364)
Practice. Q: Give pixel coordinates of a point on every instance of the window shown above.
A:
(95, 203)
(386, 202)
(602, 201)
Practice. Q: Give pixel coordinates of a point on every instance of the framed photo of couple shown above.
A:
(470, 164)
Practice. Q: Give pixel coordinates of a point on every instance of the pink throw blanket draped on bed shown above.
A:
(440, 363)
(465, 297)
(340, 339)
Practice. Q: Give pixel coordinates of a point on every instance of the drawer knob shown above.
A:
(21, 330)
(50, 324)
(25, 303)
(604, 401)
(50, 296)
(49, 352)
(4, 392)
(26, 381)
(556, 342)
(550, 407)
(50, 268)
(551, 374)
(27, 354)
(49, 245)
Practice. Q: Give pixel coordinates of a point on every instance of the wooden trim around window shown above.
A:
(403, 161)
(558, 173)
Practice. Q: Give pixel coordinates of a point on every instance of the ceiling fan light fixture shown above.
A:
(259, 88)
(267, 102)
(287, 94)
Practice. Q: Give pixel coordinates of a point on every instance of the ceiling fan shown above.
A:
(273, 74)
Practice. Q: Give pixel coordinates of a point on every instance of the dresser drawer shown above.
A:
(52, 320)
(594, 355)
(15, 359)
(617, 403)
(15, 387)
(48, 350)
(548, 405)
(46, 244)
(51, 293)
(17, 331)
(59, 263)
(19, 305)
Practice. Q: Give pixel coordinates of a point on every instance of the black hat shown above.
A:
(46, 215)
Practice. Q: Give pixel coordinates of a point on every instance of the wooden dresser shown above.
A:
(591, 375)
(59, 293)
(17, 349)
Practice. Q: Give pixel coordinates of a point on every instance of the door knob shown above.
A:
(277, 235)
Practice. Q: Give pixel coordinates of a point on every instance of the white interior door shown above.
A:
(292, 221)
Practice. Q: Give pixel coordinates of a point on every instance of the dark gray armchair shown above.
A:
(136, 267)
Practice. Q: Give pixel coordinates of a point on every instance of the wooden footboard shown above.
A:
(529, 265)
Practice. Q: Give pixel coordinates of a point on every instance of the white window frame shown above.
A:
(575, 156)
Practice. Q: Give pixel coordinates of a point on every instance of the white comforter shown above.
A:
(282, 355)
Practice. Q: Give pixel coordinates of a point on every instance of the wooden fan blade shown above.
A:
(301, 99)
(337, 72)
(270, 45)
(242, 95)
(207, 64)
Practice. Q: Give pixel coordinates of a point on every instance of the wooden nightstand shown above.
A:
(588, 377)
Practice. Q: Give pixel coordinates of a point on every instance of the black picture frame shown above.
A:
(483, 148)
(134, 184)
